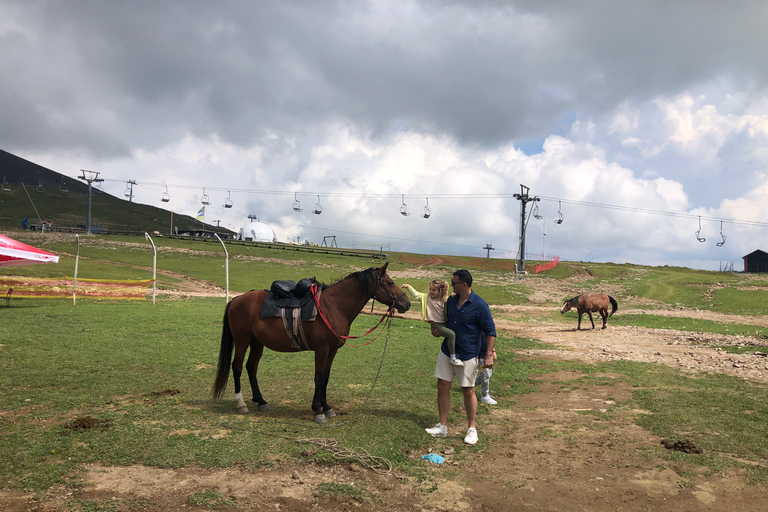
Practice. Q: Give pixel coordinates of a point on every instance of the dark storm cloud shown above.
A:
(112, 76)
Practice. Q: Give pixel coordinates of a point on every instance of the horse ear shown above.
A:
(383, 269)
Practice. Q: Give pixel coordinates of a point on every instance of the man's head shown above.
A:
(460, 279)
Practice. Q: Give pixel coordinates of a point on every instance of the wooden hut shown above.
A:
(756, 261)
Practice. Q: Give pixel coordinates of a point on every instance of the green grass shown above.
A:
(143, 373)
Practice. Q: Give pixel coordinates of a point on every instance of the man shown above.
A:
(468, 316)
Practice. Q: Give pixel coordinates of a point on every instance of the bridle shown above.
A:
(389, 313)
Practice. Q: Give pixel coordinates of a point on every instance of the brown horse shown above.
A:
(340, 302)
(589, 303)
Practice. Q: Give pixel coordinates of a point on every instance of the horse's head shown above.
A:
(387, 292)
(566, 306)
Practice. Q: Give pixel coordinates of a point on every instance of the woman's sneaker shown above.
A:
(438, 430)
(456, 362)
(471, 437)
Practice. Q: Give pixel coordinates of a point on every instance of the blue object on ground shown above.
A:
(433, 457)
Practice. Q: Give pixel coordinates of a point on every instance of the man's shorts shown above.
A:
(464, 375)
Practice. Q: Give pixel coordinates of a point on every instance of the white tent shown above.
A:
(257, 232)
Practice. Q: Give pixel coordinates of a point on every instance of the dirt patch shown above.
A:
(84, 423)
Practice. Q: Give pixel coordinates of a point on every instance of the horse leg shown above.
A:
(604, 314)
(578, 327)
(323, 359)
(252, 366)
(237, 370)
(591, 319)
(327, 410)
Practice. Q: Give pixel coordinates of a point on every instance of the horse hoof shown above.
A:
(265, 408)
(320, 418)
(242, 409)
(329, 413)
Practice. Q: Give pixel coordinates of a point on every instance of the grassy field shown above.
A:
(141, 374)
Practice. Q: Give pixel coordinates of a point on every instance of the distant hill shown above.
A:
(39, 193)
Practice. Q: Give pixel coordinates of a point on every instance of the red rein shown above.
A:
(386, 314)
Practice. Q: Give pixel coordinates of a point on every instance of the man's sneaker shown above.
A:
(486, 399)
(439, 430)
(471, 437)
(456, 362)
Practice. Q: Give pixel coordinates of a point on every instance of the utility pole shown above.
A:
(524, 199)
(130, 185)
(489, 248)
(90, 178)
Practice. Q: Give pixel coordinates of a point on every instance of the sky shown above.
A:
(642, 125)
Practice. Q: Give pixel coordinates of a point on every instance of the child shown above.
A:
(433, 311)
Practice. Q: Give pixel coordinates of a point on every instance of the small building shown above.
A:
(256, 232)
(756, 261)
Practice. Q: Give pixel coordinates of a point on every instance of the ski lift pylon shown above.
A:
(720, 244)
(205, 199)
(318, 208)
(296, 203)
(426, 213)
(165, 198)
(228, 200)
(559, 214)
(700, 238)
(404, 208)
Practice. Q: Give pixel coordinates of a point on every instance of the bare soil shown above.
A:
(545, 452)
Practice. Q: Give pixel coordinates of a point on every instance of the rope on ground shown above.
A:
(362, 457)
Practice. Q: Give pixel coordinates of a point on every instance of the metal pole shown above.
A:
(226, 264)
(77, 259)
(88, 218)
(154, 266)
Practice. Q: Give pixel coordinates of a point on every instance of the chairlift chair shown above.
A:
(404, 208)
(700, 238)
(426, 213)
(165, 198)
(205, 199)
(228, 200)
(40, 188)
(318, 208)
(296, 203)
(63, 185)
(6, 186)
(128, 191)
(559, 214)
(536, 212)
(720, 244)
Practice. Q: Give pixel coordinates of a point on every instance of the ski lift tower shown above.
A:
(90, 177)
(524, 199)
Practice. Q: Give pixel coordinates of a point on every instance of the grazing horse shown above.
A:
(587, 303)
(340, 303)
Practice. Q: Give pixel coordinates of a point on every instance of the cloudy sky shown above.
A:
(640, 122)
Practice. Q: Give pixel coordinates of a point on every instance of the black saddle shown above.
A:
(289, 294)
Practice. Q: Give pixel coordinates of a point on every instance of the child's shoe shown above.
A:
(456, 362)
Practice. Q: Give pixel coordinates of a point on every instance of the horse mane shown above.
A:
(575, 301)
(362, 277)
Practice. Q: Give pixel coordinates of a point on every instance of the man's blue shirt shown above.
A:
(468, 323)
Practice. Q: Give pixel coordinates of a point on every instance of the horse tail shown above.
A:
(614, 305)
(225, 356)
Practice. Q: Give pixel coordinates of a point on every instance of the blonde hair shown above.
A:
(442, 286)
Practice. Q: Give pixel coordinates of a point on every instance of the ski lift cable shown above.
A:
(683, 215)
